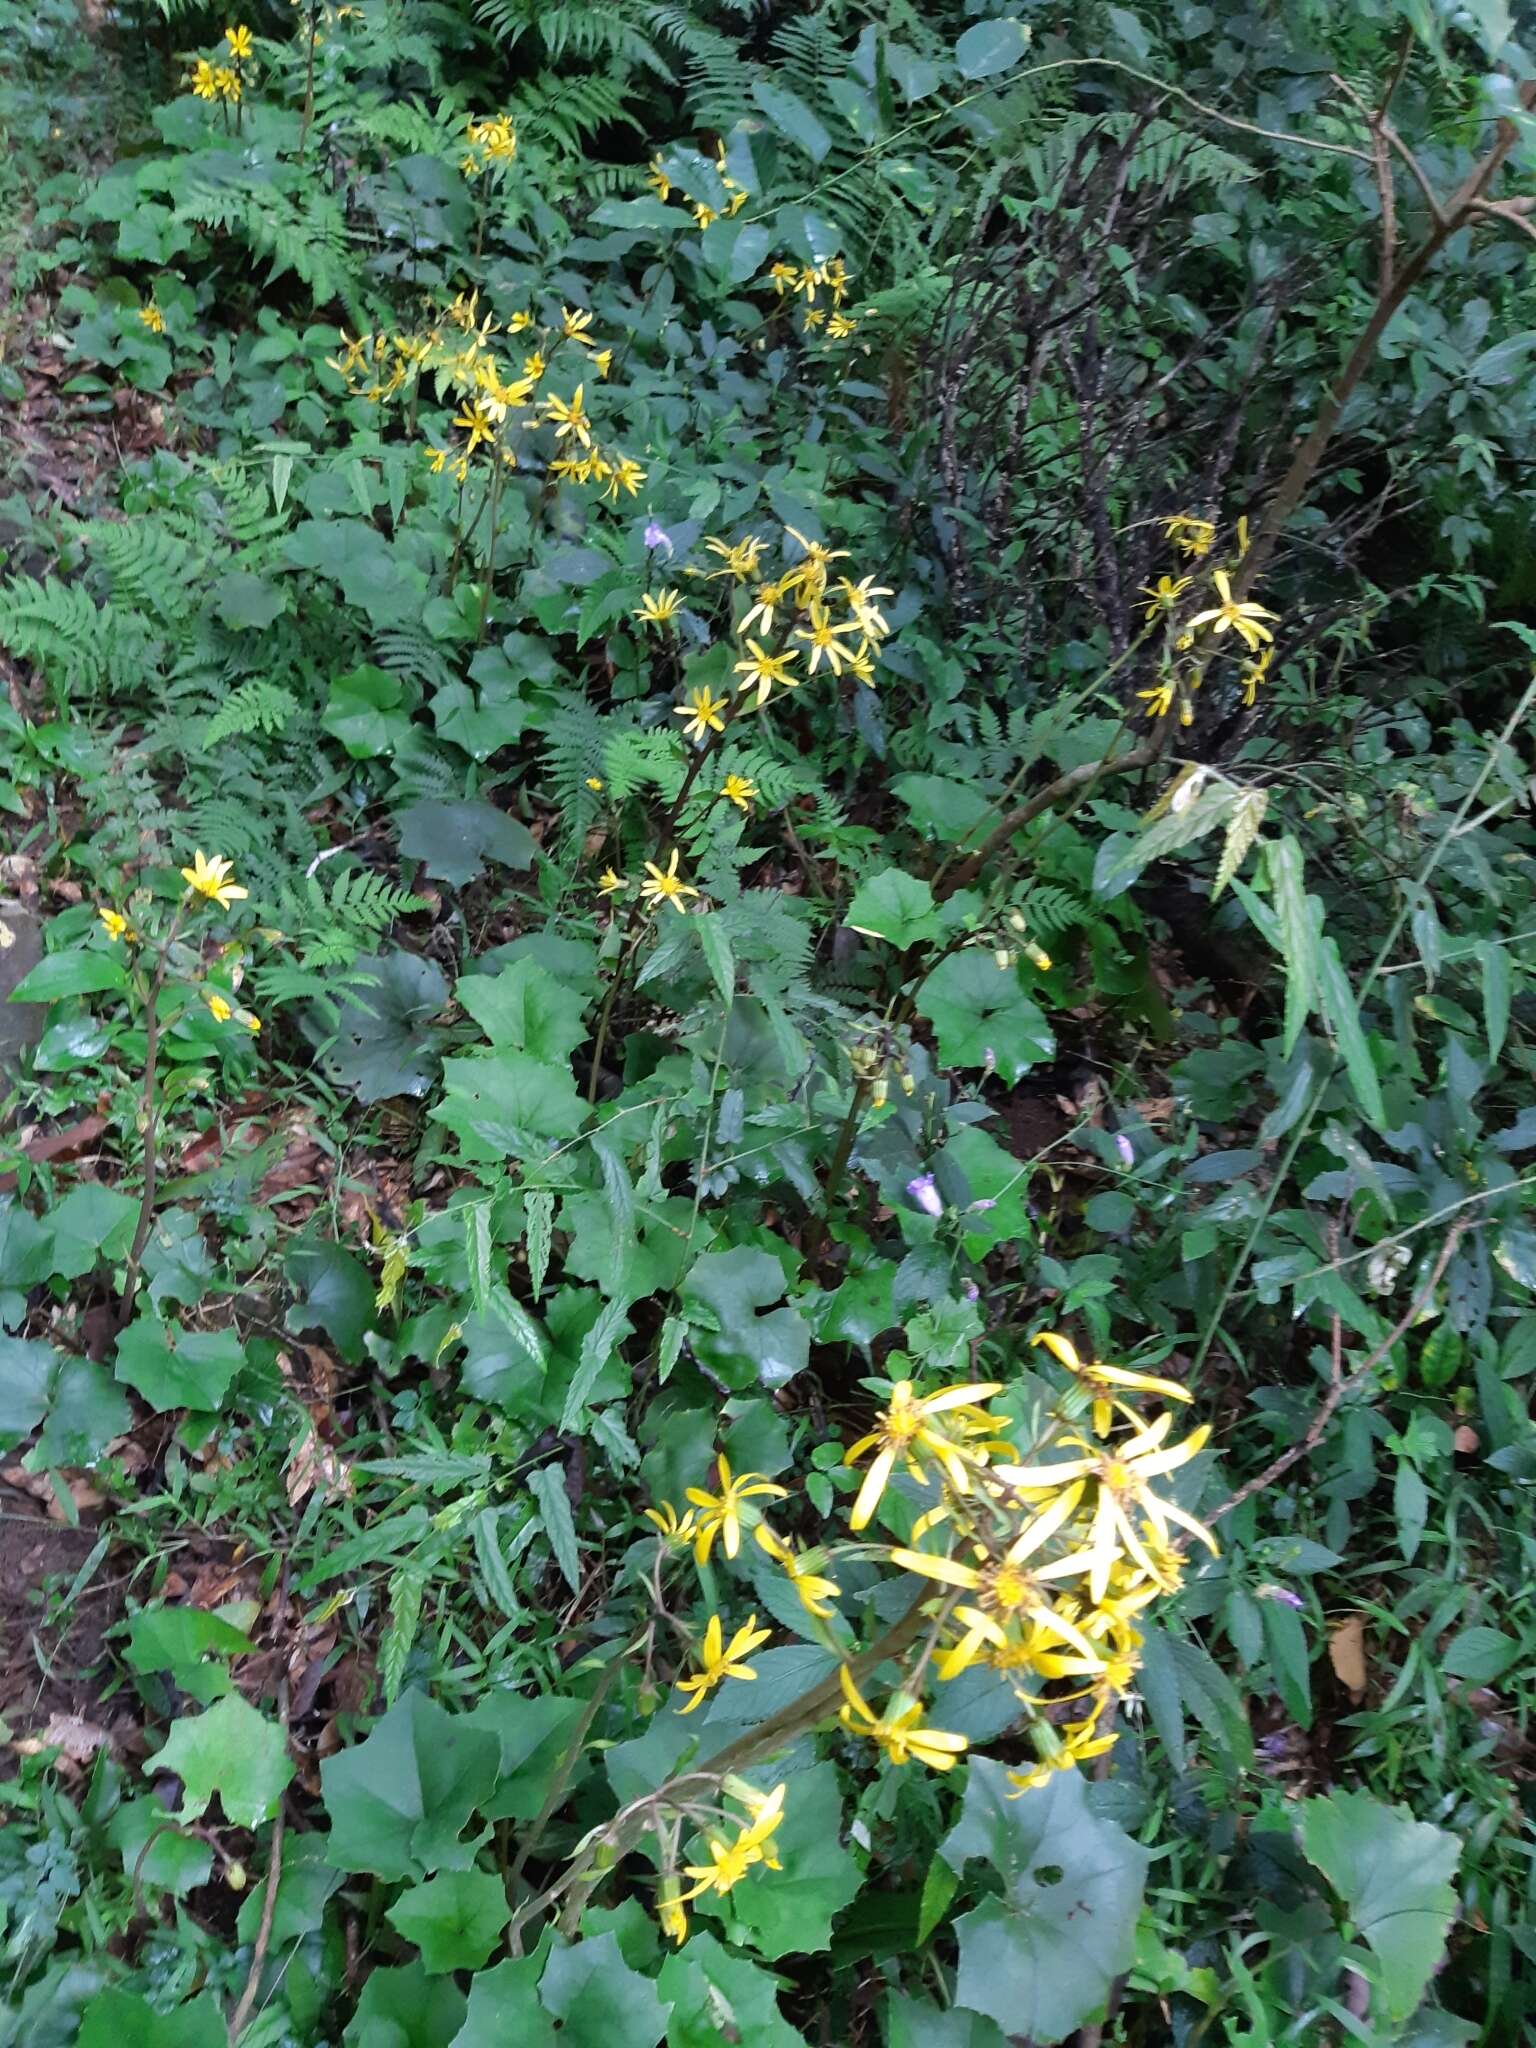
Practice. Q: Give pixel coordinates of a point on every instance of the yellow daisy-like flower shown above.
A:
(1102, 1381)
(595, 783)
(729, 1862)
(761, 670)
(152, 317)
(204, 80)
(898, 1731)
(1164, 594)
(1232, 615)
(905, 1430)
(675, 1530)
(240, 45)
(609, 884)
(575, 326)
(658, 180)
(666, 886)
(860, 599)
(739, 790)
(569, 418)
(840, 326)
(222, 1010)
(740, 559)
(436, 460)
(602, 361)
(1158, 700)
(210, 878)
(720, 1513)
(117, 925)
(1124, 1499)
(809, 575)
(251, 1022)
(783, 277)
(814, 1590)
(702, 711)
(721, 1660)
(1254, 673)
(669, 1911)
(478, 419)
(823, 639)
(1191, 536)
(1063, 1752)
(227, 83)
(660, 607)
(627, 475)
(768, 599)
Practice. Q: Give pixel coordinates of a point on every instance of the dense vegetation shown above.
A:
(767, 1217)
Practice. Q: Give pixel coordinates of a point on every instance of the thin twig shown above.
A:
(242, 2012)
(1340, 1385)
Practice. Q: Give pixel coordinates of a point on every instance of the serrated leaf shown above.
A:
(230, 1750)
(1343, 1018)
(1171, 829)
(405, 1590)
(1498, 986)
(1394, 1875)
(1242, 830)
(1298, 943)
(547, 1486)
(1040, 1957)
(717, 951)
(539, 1219)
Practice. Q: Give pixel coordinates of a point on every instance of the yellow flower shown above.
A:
(814, 1590)
(839, 327)
(761, 670)
(222, 1010)
(227, 83)
(704, 216)
(1122, 1477)
(729, 1862)
(602, 361)
(897, 1730)
(658, 181)
(740, 560)
(595, 783)
(478, 421)
(1158, 700)
(239, 41)
(904, 1429)
(1063, 1752)
(659, 607)
(574, 326)
(675, 1530)
(814, 316)
(1191, 536)
(1164, 594)
(669, 1911)
(769, 597)
(436, 457)
(152, 317)
(720, 1513)
(702, 711)
(738, 790)
(204, 80)
(807, 282)
(860, 599)
(534, 366)
(569, 418)
(809, 575)
(577, 468)
(834, 275)
(252, 1023)
(210, 878)
(666, 886)
(1101, 1381)
(783, 276)
(1232, 614)
(722, 1660)
(861, 663)
(519, 323)
(822, 638)
(608, 883)
(1254, 673)
(117, 925)
(627, 476)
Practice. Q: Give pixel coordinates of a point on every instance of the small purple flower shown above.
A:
(979, 1208)
(970, 1290)
(658, 537)
(1282, 1594)
(1125, 1148)
(926, 1195)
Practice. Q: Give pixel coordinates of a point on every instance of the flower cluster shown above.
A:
(1193, 638)
(704, 215)
(500, 405)
(208, 881)
(797, 282)
(806, 613)
(492, 145)
(225, 82)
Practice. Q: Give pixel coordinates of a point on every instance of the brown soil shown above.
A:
(50, 1666)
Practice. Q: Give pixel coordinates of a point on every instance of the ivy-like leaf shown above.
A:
(1394, 1875)
(233, 1751)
